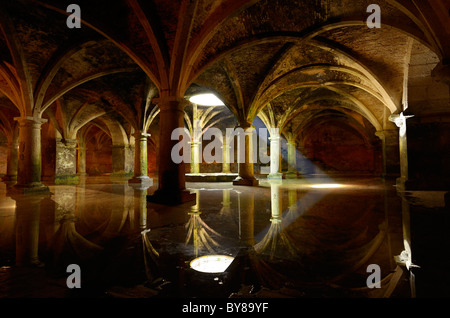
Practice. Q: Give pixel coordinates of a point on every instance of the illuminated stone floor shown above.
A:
(298, 238)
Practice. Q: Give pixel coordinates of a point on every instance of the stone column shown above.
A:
(226, 168)
(171, 175)
(140, 159)
(391, 155)
(66, 162)
(400, 121)
(195, 156)
(292, 160)
(122, 162)
(81, 153)
(29, 163)
(245, 156)
(275, 155)
(12, 159)
(196, 143)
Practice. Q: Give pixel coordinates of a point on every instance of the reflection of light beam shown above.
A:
(211, 263)
(308, 200)
(327, 185)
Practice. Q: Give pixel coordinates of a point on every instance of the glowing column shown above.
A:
(226, 156)
(274, 154)
(195, 156)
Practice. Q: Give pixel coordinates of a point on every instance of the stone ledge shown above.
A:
(211, 177)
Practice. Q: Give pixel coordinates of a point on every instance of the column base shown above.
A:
(9, 178)
(171, 198)
(34, 188)
(121, 174)
(141, 180)
(67, 180)
(246, 182)
(291, 175)
(275, 176)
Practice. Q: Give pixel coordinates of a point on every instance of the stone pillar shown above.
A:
(12, 159)
(391, 155)
(226, 168)
(275, 155)
(66, 162)
(29, 163)
(245, 156)
(81, 153)
(195, 156)
(140, 159)
(400, 121)
(171, 175)
(292, 160)
(121, 161)
(196, 143)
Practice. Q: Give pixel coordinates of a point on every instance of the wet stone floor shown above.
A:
(295, 238)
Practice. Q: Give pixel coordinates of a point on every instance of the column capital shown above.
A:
(168, 103)
(140, 134)
(399, 119)
(387, 133)
(29, 120)
(246, 128)
(69, 143)
(292, 142)
(275, 131)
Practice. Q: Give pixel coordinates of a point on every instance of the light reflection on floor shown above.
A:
(288, 239)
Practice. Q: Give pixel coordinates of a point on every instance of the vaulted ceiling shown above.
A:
(285, 61)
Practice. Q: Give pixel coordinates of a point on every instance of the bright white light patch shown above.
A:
(327, 186)
(206, 100)
(212, 263)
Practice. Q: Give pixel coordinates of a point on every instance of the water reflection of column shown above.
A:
(140, 203)
(193, 226)
(246, 217)
(275, 201)
(28, 211)
(226, 201)
(226, 168)
(406, 256)
(271, 238)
